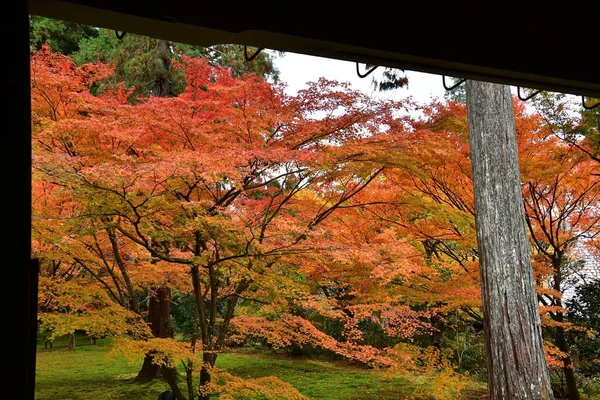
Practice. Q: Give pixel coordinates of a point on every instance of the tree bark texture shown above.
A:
(515, 353)
(159, 320)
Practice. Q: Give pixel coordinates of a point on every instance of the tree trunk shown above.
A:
(162, 84)
(133, 300)
(561, 343)
(208, 361)
(159, 313)
(189, 379)
(515, 353)
(159, 320)
(71, 341)
(171, 378)
(148, 371)
(559, 332)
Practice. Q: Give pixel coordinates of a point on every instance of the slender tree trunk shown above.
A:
(159, 319)
(515, 353)
(208, 362)
(559, 332)
(561, 343)
(189, 371)
(207, 320)
(134, 303)
(171, 378)
(203, 388)
(71, 341)
(189, 379)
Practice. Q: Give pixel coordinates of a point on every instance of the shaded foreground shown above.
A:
(87, 373)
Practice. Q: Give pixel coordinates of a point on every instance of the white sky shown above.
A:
(297, 69)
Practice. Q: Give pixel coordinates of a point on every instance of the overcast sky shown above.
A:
(297, 69)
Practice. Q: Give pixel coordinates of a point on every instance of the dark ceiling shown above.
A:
(531, 44)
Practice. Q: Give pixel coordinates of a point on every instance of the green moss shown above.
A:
(87, 373)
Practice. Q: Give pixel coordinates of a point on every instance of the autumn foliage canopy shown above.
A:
(325, 220)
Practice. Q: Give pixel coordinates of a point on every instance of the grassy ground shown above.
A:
(87, 373)
(316, 379)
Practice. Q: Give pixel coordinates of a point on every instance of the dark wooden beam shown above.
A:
(546, 47)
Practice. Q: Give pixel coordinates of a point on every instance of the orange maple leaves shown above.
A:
(326, 203)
